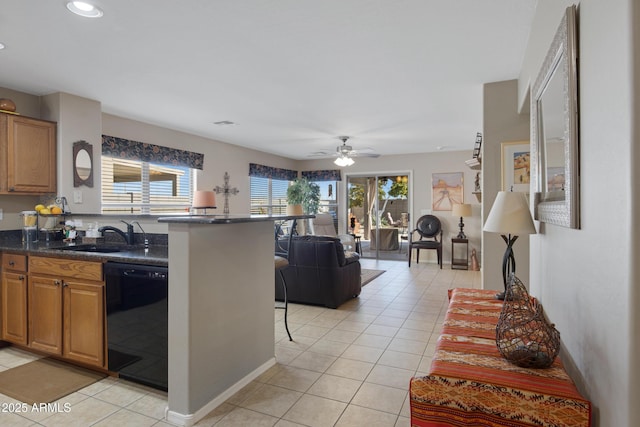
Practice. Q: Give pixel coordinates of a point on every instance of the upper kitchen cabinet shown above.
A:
(27, 155)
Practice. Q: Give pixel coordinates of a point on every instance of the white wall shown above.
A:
(79, 119)
(420, 167)
(502, 123)
(219, 158)
(585, 278)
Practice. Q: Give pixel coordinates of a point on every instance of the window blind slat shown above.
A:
(130, 186)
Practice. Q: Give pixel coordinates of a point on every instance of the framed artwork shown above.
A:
(516, 166)
(447, 190)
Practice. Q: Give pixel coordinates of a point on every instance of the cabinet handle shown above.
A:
(65, 284)
(56, 282)
(12, 189)
(21, 277)
(12, 263)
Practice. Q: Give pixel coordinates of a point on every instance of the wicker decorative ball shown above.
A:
(7, 105)
(523, 334)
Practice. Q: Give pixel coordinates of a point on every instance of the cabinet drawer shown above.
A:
(66, 267)
(14, 262)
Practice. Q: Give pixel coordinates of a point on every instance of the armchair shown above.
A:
(320, 272)
(429, 232)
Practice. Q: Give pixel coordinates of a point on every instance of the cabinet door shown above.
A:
(45, 314)
(31, 156)
(84, 322)
(14, 307)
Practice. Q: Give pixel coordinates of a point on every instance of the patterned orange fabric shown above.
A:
(471, 384)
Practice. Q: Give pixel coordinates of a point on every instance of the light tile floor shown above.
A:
(345, 367)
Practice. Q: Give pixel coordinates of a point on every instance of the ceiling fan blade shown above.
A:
(345, 150)
(360, 154)
(323, 154)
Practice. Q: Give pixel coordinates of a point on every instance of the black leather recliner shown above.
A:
(320, 272)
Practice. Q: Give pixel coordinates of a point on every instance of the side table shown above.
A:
(357, 239)
(459, 259)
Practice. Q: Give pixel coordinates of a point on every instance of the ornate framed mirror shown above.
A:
(82, 164)
(555, 164)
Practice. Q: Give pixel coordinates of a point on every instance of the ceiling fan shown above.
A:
(345, 153)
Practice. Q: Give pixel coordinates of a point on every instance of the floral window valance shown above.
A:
(263, 171)
(141, 151)
(325, 175)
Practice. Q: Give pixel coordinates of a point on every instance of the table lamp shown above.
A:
(461, 210)
(204, 199)
(509, 216)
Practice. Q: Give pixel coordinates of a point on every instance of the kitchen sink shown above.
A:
(91, 248)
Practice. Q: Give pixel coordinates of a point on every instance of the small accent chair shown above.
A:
(429, 231)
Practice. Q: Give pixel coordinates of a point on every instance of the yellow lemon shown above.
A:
(56, 210)
(38, 208)
(45, 211)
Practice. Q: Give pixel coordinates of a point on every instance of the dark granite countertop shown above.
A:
(156, 255)
(228, 219)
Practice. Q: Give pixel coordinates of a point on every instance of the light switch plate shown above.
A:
(77, 196)
(1, 215)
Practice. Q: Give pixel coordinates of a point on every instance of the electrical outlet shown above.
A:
(1, 215)
(77, 196)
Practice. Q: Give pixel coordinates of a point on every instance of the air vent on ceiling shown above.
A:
(224, 123)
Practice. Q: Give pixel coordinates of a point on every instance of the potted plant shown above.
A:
(305, 193)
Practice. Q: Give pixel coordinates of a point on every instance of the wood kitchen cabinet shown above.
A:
(83, 318)
(27, 155)
(66, 309)
(45, 314)
(14, 298)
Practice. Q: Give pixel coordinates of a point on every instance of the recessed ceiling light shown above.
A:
(1, 46)
(224, 123)
(85, 9)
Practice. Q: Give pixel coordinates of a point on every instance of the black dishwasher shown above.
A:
(137, 322)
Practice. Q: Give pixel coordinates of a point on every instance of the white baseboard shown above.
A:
(187, 420)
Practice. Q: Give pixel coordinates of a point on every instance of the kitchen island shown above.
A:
(221, 296)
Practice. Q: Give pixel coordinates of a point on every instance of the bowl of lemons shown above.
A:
(52, 213)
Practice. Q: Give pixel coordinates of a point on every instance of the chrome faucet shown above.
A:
(128, 236)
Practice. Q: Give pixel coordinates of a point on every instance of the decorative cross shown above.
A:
(227, 191)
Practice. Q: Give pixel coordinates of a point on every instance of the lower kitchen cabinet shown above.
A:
(83, 322)
(66, 314)
(13, 294)
(14, 307)
(45, 314)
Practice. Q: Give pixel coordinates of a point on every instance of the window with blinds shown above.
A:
(268, 196)
(137, 187)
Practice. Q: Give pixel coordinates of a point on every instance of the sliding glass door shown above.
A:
(378, 214)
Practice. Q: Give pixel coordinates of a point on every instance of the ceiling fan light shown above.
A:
(344, 161)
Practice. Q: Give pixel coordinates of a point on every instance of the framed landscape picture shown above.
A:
(516, 166)
(447, 189)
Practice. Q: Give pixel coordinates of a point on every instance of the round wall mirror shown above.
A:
(82, 164)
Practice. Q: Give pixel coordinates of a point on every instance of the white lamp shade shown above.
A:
(204, 199)
(510, 215)
(461, 209)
